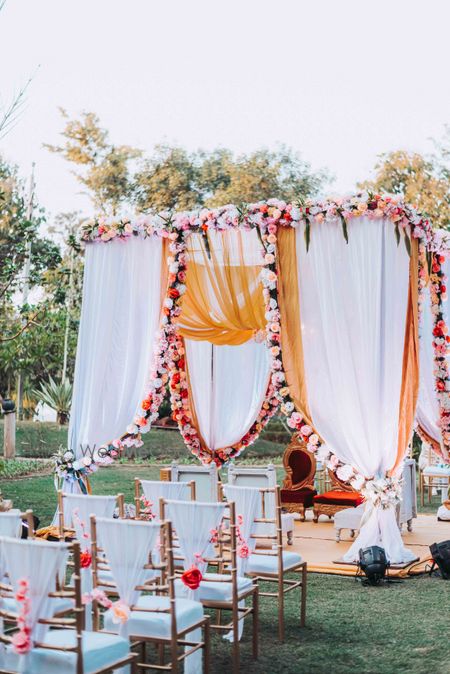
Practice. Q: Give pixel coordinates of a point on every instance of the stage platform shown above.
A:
(317, 545)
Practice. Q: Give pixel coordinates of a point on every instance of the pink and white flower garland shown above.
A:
(441, 344)
(21, 641)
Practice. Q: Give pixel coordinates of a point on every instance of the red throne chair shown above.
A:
(339, 497)
(298, 491)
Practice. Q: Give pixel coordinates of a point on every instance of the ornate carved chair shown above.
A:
(298, 490)
(340, 496)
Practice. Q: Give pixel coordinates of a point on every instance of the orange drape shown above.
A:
(410, 373)
(291, 335)
(223, 303)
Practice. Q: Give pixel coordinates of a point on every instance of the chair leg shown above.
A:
(303, 595)
(235, 640)
(280, 609)
(255, 635)
(302, 513)
(207, 647)
(290, 535)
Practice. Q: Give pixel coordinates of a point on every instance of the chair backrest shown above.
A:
(201, 529)
(33, 567)
(248, 505)
(205, 478)
(272, 524)
(299, 464)
(260, 478)
(129, 546)
(153, 491)
(75, 509)
(339, 485)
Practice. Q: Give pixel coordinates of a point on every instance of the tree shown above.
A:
(172, 178)
(423, 181)
(103, 168)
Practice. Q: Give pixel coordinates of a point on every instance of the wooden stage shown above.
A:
(316, 544)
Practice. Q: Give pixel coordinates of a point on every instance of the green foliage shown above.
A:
(105, 171)
(423, 180)
(57, 395)
(13, 468)
(173, 179)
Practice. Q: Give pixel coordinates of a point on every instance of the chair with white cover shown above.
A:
(74, 516)
(154, 490)
(160, 619)
(199, 527)
(205, 478)
(269, 563)
(261, 477)
(33, 566)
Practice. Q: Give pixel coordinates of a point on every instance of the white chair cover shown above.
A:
(39, 563)
(248, 504)
(77, 511)
(154, 490)
(127, 545)
(11, 527)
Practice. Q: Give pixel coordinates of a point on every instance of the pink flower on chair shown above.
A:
(21, 640)
(121, 612)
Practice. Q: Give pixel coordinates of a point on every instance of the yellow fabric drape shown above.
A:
(223, 303)
(410, 372)
(291, 334)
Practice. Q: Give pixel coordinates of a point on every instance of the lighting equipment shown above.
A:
(373, 563)
(441, 558)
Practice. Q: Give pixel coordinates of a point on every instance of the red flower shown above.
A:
(264, 208)
(85, 559)
(173, 293)
(192, 578)
(146, 404)
(181, 363)
(441, 386)
(184, 393)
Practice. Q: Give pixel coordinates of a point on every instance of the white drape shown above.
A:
(248, 503)
(127, 545)
(353, 302)
(119, 320)
(85, 506)
(225, 410)
(427, 413)
(38, 562)
(155, 490)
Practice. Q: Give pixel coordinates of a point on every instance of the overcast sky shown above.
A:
(339, 80)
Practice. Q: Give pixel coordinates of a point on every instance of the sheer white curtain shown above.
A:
(427, 413)
(248, 503)
(353, 303)
(228, 385)
(119, 320)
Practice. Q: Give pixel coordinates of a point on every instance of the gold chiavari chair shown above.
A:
(159, 604)
(139, 493)
(225, 591)
(270, 564)
(68, 646)
(62, 525)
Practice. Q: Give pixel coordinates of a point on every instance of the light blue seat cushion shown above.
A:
(141, 623)
(269, 563)
(214, 590)
(99, 651)
(59, 604)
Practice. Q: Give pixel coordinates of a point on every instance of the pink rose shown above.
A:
(306, 430)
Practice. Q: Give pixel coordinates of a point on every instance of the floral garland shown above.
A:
(266, 217)
(68, 467)
(21, 640)
(441, 344)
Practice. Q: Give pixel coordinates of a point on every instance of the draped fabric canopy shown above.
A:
(331, 287)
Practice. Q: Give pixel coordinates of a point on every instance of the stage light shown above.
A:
(373, 563)
(441, 558)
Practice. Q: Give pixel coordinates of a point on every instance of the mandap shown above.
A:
(312, 309)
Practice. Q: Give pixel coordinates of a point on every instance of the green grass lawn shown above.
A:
(350, 628)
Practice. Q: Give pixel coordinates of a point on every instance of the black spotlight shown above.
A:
(441, 558)
(373, 563)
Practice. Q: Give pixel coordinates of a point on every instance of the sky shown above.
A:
(341, 81)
